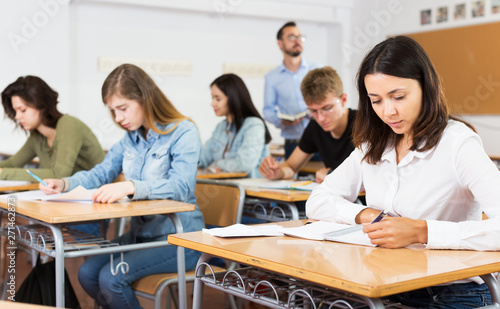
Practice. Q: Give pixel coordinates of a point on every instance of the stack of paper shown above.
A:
(242, 230)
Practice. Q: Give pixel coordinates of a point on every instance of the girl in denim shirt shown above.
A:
(238, 143)
(158, 157)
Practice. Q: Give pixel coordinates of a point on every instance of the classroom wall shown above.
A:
(64, 49)
(62, 42)
(408, 21)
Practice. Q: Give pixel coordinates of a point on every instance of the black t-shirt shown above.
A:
(333, 151)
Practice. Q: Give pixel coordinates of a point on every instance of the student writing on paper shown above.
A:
(426, 168)
(329, 133)
(239, 142)
(158, 156)
(63, 144)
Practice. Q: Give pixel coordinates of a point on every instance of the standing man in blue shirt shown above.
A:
(282, 87)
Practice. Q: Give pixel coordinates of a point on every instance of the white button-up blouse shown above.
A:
(449, 186)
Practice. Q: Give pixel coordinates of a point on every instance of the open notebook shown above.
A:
(290, 185)
(322, 230)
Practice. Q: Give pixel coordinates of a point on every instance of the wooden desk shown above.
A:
(367, 272)
(204, 173)
(259, 200)
(311, 167)
(54, 214)
(31, 186)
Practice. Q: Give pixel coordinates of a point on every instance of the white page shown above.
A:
(316, 231)
(13, 183)
(242, 230)
(79, 194)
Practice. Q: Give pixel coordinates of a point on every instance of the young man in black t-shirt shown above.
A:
(330, 133)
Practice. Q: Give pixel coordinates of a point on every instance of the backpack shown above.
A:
(39, 287)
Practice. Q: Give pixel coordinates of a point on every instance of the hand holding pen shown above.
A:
(270, 168)
(396, 232)
(40, 180)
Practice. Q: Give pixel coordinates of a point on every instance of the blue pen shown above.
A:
(380, 216)
(40, 180)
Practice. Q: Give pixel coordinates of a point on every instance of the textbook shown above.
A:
(290, 185)
(332, 231)
(292, 117)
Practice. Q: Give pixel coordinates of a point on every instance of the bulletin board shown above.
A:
(468, 61)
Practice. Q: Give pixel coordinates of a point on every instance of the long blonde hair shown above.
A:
(131, 82)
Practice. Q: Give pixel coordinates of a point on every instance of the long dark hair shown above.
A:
(239, 102)
(131, 82)
(403, 57)
(37, 94)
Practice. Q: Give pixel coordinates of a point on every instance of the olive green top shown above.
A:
(75, 148)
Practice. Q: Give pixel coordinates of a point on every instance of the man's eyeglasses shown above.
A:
(296, 37)
(324, 111)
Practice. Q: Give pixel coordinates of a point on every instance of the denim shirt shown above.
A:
(162, 167)
(282, 92)
(245, 149)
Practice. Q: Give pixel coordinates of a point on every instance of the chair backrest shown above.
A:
(220, 202)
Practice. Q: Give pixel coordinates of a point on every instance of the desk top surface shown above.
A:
(367, 271)
(204, 173)
(312, 166)
(252, 189)
(27, 187)
(65, 212)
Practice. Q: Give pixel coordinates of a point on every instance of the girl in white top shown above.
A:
(427, 169)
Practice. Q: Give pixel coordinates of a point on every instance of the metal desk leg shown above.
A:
(198, 284)
(494, 287)
(59, 257)
(181, 264)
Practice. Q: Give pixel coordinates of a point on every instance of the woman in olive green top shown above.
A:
(63, 144)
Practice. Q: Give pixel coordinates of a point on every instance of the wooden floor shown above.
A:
(212, 299)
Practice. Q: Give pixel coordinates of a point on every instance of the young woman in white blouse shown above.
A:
(424, 167)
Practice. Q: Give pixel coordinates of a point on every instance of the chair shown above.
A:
(222, 205)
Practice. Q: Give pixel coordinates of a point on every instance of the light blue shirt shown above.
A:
(163, 166)
(282, 92)
(237, 152)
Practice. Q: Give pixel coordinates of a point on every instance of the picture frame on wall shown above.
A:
(459, 11)
(477, 9)
(495, 6)
(442, 14)
(425, 17)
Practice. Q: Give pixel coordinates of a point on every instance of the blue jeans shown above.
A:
(464, 295)
(115, 291)
(91, 228)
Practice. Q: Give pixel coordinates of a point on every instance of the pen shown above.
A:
(301, 183)
(355, 228)
(40, 180)
(380, 216)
